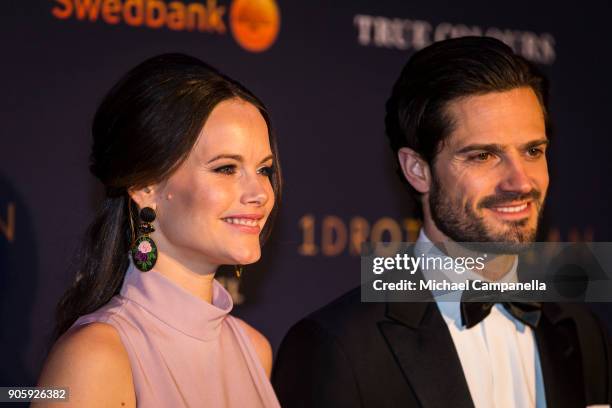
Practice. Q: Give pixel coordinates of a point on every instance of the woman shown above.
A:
(192, 181)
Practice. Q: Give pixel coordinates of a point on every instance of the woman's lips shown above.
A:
(248, 224)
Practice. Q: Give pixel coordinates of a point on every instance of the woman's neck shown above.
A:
(196, 279)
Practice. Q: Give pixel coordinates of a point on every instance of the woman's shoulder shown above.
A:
(126, 319)
(98, 337)
(92, 362)
(260, 342)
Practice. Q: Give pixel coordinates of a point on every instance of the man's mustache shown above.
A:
(508, 197)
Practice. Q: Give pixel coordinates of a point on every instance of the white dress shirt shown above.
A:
(499, 356)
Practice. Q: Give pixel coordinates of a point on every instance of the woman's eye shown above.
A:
(229, 169)
(266, 171)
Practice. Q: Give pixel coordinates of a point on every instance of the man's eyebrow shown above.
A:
(497, 148)
(489, 147)
(535, 143)
(236, 157)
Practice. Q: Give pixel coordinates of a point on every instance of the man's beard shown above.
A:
(462, 224)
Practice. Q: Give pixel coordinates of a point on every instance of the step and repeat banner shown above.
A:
(325, 70)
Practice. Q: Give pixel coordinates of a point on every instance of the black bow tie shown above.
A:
(473, 313)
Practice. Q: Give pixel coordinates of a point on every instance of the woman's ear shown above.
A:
(415, 169)
(144, 197)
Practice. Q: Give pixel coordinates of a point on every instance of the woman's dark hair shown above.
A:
(445, 71)
(143, 130)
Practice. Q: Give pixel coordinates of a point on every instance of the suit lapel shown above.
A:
(419, 339)
(423, 348)
(559, 350)
(560, 359)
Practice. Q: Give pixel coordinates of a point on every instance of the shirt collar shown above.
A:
(449, 302)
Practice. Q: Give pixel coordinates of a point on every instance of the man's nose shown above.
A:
(516, 177)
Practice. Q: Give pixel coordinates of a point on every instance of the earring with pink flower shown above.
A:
(144, 250)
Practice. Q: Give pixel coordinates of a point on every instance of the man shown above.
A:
(468, 121)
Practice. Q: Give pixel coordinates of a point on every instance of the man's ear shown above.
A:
(415, 169)
(144, 197)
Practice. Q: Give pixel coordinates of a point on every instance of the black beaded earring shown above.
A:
(144, 250)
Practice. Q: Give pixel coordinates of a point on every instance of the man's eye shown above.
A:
(482, 156)
(267, 171)
(535, 152)
(229, 169)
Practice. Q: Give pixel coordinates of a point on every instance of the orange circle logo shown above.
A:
(255, 23)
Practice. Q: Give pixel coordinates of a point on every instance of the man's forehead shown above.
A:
(511, 117)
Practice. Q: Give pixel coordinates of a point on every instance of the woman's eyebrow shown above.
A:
(236, 157)
(269, 157)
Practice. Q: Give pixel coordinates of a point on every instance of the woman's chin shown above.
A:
(246, 257)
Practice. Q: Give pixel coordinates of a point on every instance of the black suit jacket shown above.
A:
(354, 354)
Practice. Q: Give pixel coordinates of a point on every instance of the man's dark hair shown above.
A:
(417, 115)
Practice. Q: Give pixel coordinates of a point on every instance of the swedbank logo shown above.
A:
(254, 23)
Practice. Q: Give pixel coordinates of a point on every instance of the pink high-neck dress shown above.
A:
(183, 351)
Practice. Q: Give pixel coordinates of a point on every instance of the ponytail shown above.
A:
(101, 263)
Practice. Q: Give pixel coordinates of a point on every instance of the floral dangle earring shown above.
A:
(144, 250)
